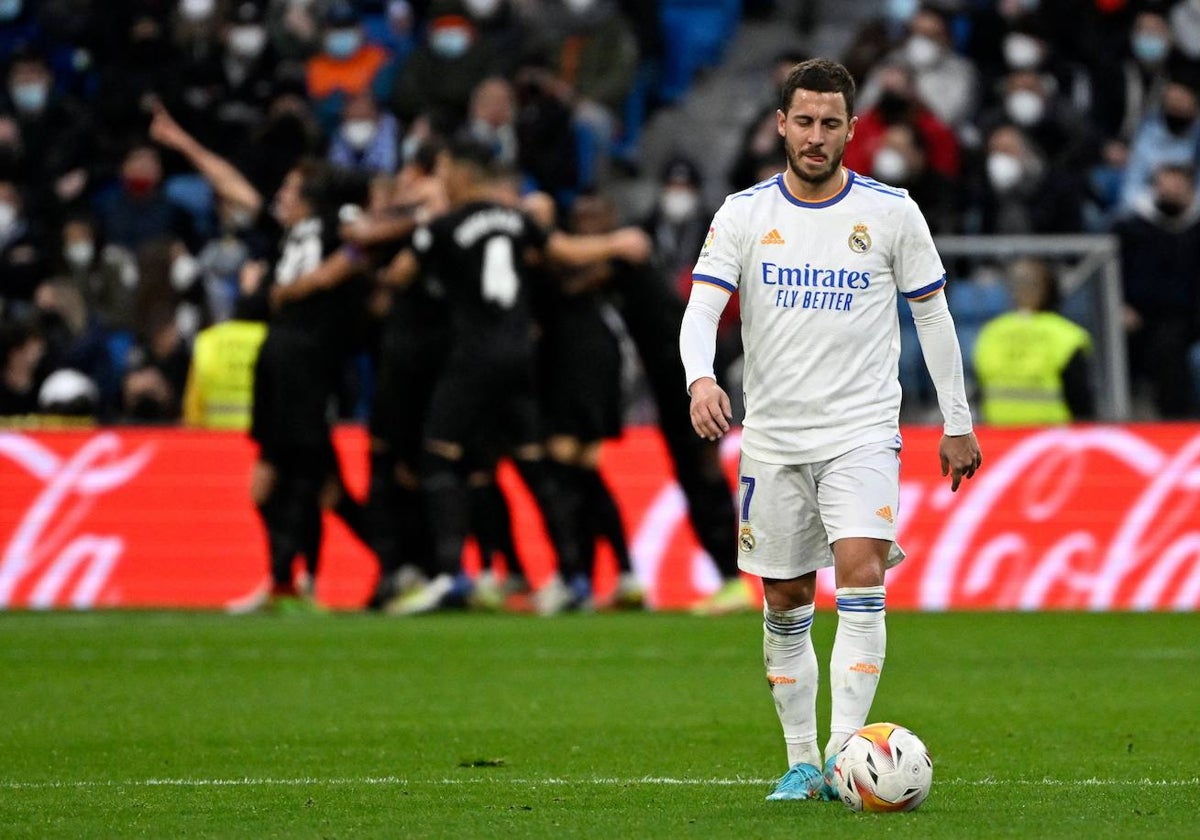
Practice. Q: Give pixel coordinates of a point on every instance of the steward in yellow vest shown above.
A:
(220, 385)
(1031, 364)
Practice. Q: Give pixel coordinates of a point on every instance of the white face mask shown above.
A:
(677, 205)
(1025, 107)
(8, 217)
(922, 52)
(890, 166)
(579, 6)
(481, 8)
(1022, 52)
(450, 41)
(183, 272)
(79, 254)
(358, 133)
(1004, 171)
(247, 41)
(197, 10)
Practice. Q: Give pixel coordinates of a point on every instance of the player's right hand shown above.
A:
(711, 413)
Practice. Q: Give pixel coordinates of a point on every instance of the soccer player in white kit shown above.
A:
(817, 255)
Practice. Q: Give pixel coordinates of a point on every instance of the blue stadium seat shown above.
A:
(193, 193)
(695, 33)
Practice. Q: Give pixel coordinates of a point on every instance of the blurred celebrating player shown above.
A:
(486, 392)
(817, 254)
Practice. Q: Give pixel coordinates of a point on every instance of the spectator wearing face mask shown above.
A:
(23, 258)
(1032, 102)
(347, 65)
(54, 133)
(501, 30)
(1017, 192)
(680, 219)
(898, 104)
(105, 276)
(900, 160)
(1125, 91)
(368, 139)
(1169, 134)
(1160, 269)
(248, 81)
(947, 83)
(75, 339)
(441, 73)
(138, 211)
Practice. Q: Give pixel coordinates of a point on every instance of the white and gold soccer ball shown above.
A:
(883, 767)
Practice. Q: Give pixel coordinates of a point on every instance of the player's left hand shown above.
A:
(961, 457)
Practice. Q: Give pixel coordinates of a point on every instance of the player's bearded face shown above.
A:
(815, 131)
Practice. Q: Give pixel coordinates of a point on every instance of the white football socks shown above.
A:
(791, 666)
(857, 660)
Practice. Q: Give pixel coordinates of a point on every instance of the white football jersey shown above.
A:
(817, 284)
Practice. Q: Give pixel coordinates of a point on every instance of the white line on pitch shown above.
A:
(595, 781)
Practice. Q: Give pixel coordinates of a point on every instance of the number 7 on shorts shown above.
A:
(747, 482)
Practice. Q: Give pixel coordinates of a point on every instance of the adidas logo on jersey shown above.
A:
(885, 513)
(772, 238)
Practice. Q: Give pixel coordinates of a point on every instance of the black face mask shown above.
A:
(1178, 124)
(893, 107)
(1169, 207)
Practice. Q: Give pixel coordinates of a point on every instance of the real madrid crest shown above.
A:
(860, 239)
(746, 538)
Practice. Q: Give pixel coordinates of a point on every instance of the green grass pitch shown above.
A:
(607, 726)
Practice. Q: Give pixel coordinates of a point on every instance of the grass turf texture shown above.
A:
(200, 725)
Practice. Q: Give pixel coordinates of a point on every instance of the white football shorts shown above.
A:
(789, 515)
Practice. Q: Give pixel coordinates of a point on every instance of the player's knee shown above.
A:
(782, 595)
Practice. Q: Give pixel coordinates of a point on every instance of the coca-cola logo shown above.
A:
(49, 549)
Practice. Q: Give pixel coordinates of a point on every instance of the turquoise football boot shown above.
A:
(802, 781)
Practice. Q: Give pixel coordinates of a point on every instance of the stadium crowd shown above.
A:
(149, 150)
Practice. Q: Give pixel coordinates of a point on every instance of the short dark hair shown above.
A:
(475, 152)
(820, 75)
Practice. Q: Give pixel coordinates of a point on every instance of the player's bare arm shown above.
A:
(334, 270)
(401, 271)
(961, 457)
(629, 244)
(711, 413)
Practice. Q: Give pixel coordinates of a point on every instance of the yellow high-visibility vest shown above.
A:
(220, 386)
(1019, 361)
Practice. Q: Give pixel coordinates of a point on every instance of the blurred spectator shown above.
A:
(1160, 265)
(590, 47)
(945, 82)
(23, 258)
(680, 219)
(347, 65)
(368, 139)
(501, 32)
(247, 78)
(152, 391)
(896, 104)
(1032, 364)
(21, 350)
(760, 136)
(1031, 101)
(878, 37)
(69, 393)
(901, 160)
(294, 27)
(441, 73)
(543, 123)
(52, 135)
(75, 339)
(104, 275)
(1126, 90)
(139, 211)
(493, 118)
(1017, 192)
(1169, 134)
